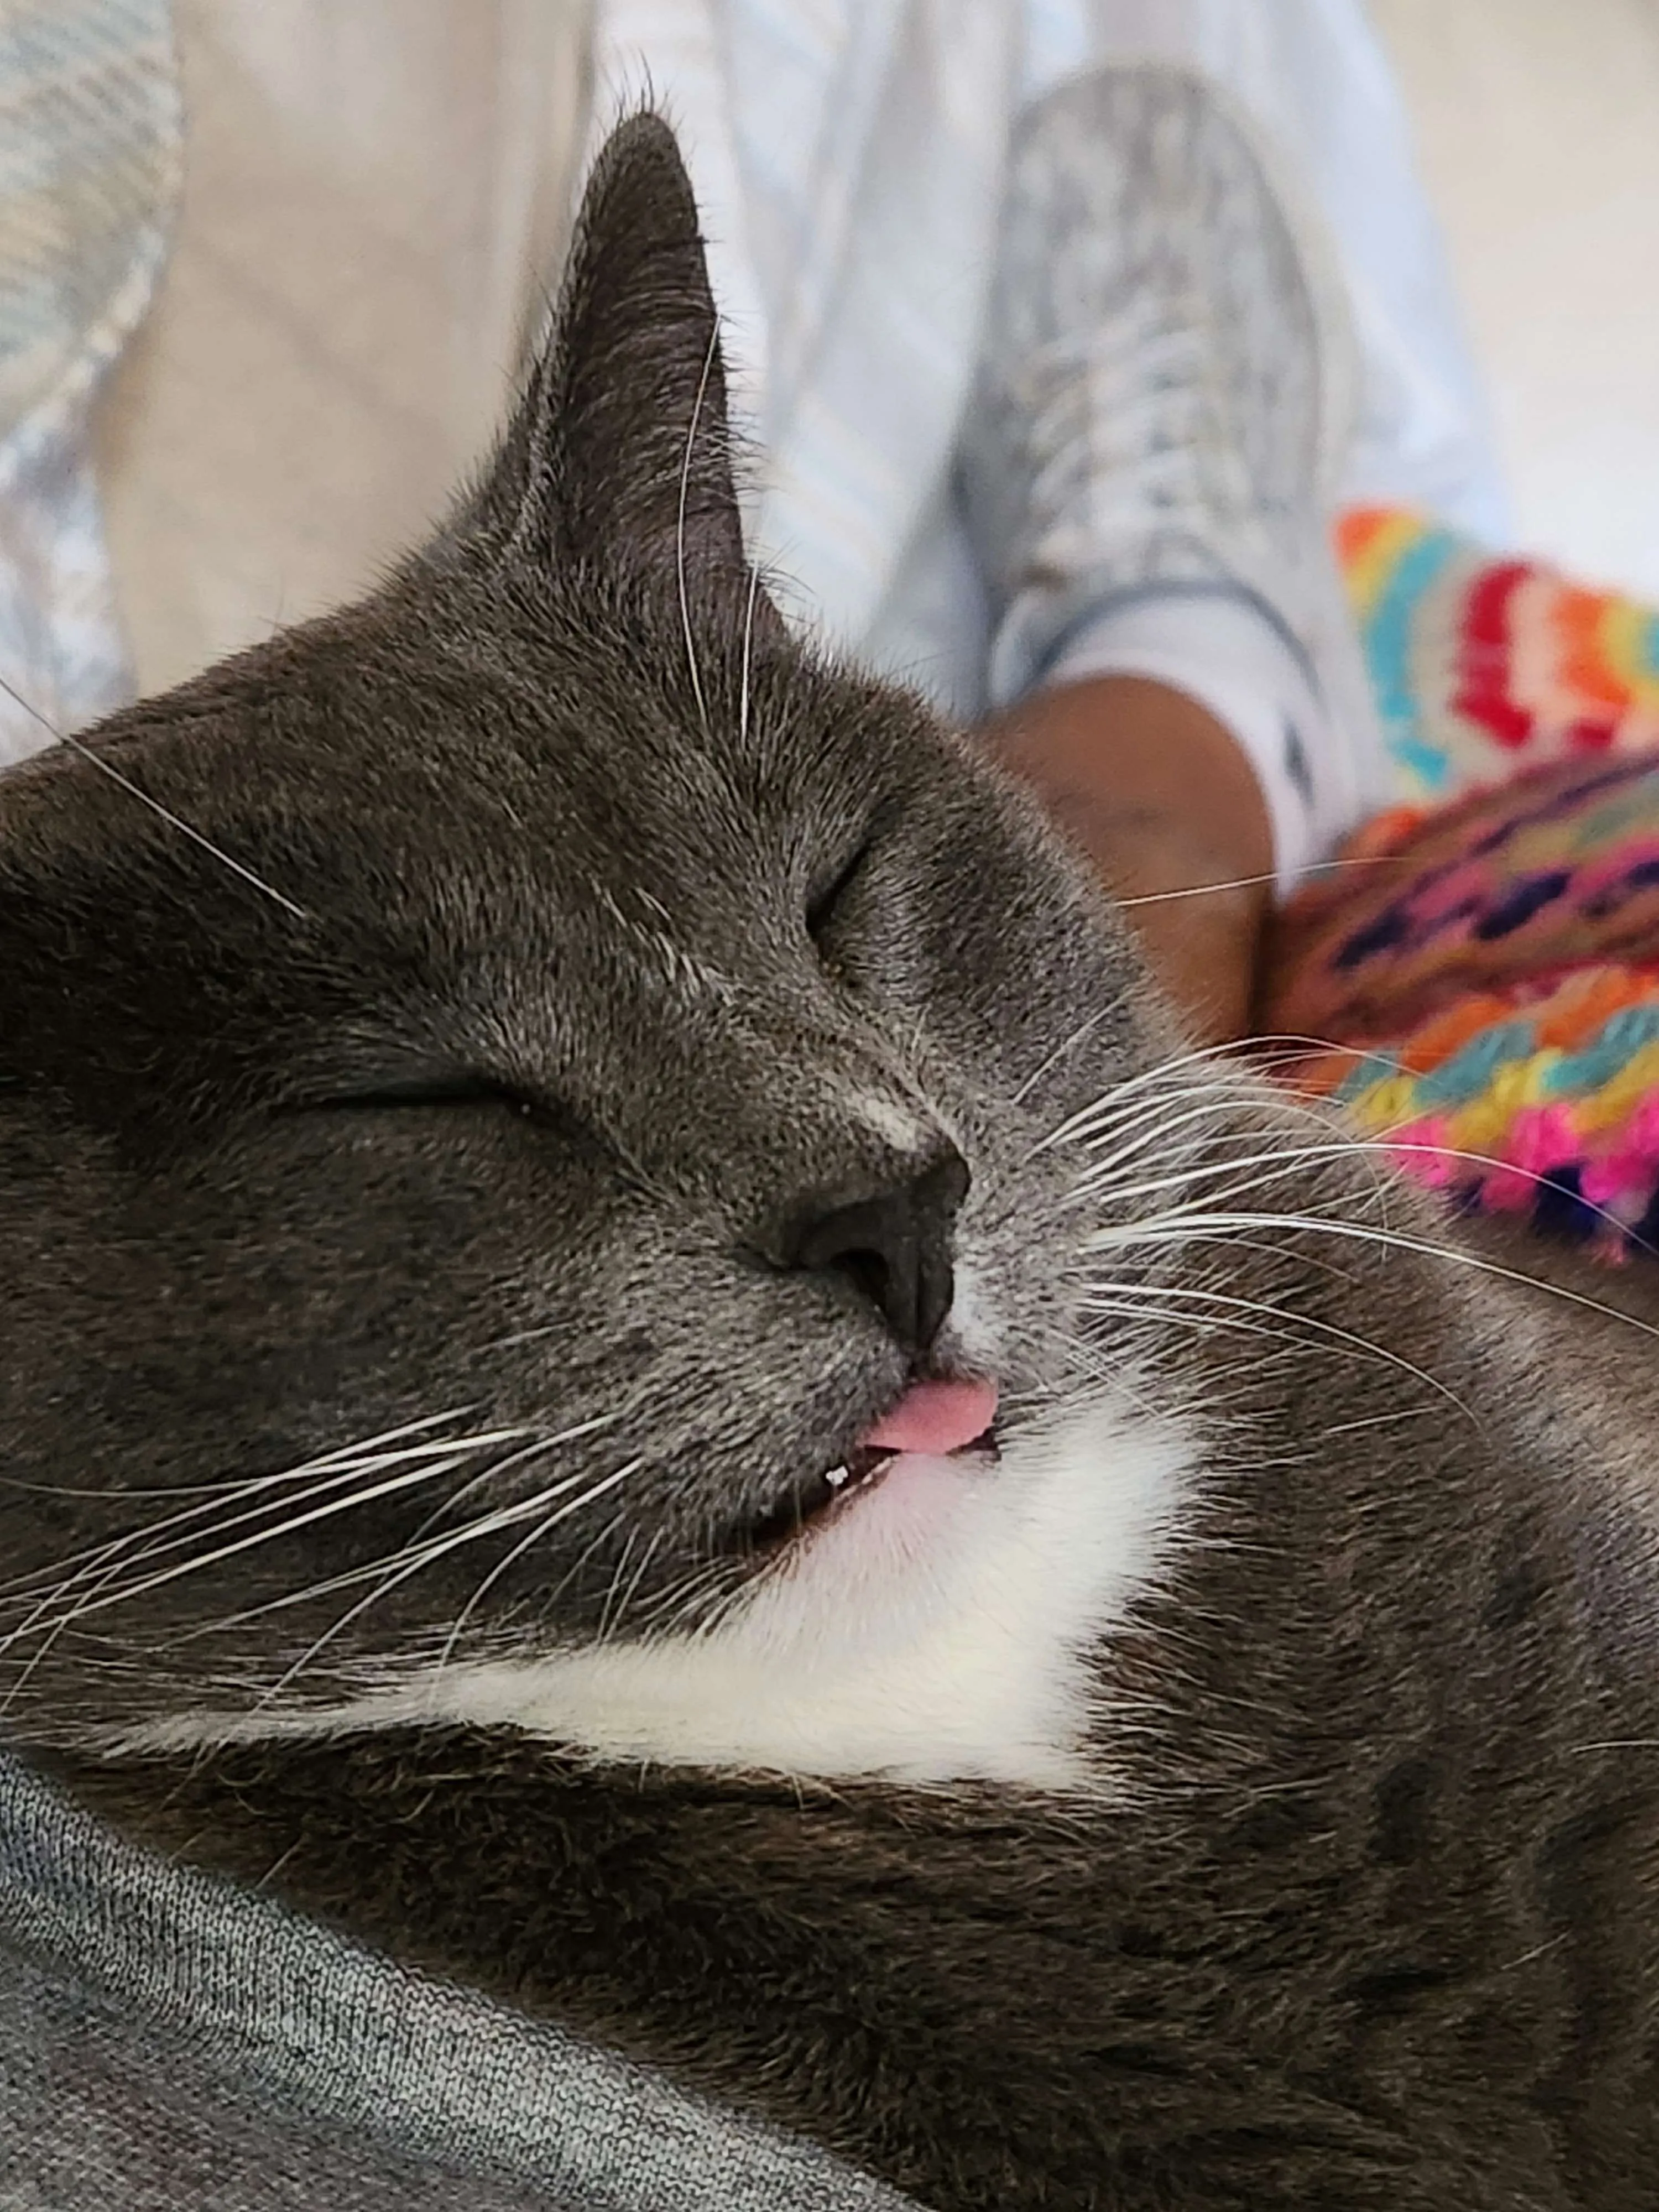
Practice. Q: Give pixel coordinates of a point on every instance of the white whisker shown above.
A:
(350, 1578)
(507, 1516)
(1252, 882)
(343, 1464)
(619, 1599)
(1084, 1030)
(102, 1597)
(176, 822)
(1179, 1228)
(1361, 1344)
(679, 526)
(446, 1510)
(747, 648)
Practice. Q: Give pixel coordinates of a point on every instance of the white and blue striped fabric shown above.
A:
(848, 157)
(90, 137)
(849, 154)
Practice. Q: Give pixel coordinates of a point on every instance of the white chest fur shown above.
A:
(940, 1627)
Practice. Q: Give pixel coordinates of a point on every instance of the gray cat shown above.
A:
(636, 1365)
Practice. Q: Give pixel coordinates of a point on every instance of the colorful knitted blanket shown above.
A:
(1482, 966)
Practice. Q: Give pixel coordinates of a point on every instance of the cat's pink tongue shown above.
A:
(936, 1418)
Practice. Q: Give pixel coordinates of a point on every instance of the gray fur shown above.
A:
(1367, 1921)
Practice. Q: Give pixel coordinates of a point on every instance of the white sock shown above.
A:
(1221, 649)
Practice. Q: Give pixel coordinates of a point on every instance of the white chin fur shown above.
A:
(941, 1628)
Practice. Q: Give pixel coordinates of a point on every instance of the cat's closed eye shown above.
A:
(826, 902)
(428, 1087)
(835, 887)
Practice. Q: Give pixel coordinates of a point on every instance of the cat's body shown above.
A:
(1364, 1919)
(1242, 1791)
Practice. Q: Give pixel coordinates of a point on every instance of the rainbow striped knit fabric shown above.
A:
(1485, 960)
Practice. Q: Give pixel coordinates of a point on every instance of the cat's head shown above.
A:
(462, 1240)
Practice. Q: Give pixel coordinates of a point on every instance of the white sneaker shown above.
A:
(1161, 414)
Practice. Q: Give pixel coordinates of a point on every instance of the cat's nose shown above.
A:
(893, 1243)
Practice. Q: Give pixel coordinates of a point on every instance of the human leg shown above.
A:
(1157, 422)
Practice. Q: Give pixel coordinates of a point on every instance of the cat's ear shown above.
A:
(619, 448)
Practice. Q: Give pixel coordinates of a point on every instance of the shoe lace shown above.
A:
(1113, 437)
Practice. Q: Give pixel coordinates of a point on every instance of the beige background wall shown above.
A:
(1538, 125)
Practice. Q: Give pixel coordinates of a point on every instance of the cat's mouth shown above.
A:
(934, 1420)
